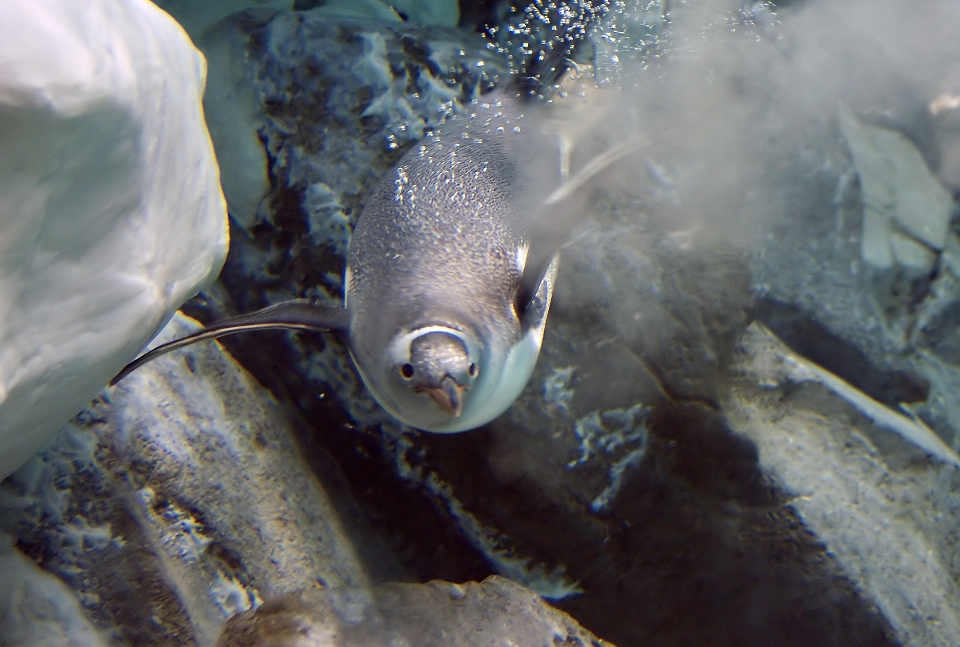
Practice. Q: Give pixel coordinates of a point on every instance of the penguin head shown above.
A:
(440, 365)
(429, 375)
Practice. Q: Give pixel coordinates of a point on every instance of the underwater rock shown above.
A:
(343, 100)
(885, 510)
(906, 213)
(180, 497)
(109, 198)
(945, 109)
(902, 308)
(652, 524)
(234, 113)
(438, 13)
(197, 17)
(435, 614)
(897, 188)
(37, 609)
(866, 253)
(934, 343)
(362, 10)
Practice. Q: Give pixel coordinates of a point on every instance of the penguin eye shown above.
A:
(406, 371)
(472, 371)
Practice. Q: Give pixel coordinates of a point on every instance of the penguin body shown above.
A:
(450, 271)
(440, 248)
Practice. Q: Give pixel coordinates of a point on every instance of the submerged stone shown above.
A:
(180, 497)
(436, 614)
(884, 509)
(897, 186)
(109, 201)
(37, 609)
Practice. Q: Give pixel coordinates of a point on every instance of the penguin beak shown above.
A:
(449, 395)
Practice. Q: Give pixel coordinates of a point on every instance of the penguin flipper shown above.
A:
(558, 216)
(300, 314)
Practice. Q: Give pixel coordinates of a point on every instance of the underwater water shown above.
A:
(743, 427)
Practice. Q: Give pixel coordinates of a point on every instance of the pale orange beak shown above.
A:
(449, 395)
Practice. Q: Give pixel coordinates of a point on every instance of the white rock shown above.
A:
(912, 254)
(896, 183)
(875, 247)
(110, 202)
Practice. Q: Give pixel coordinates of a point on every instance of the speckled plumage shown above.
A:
(438, 236)
(441, 243)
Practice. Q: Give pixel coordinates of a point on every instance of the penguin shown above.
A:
(450, 270)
